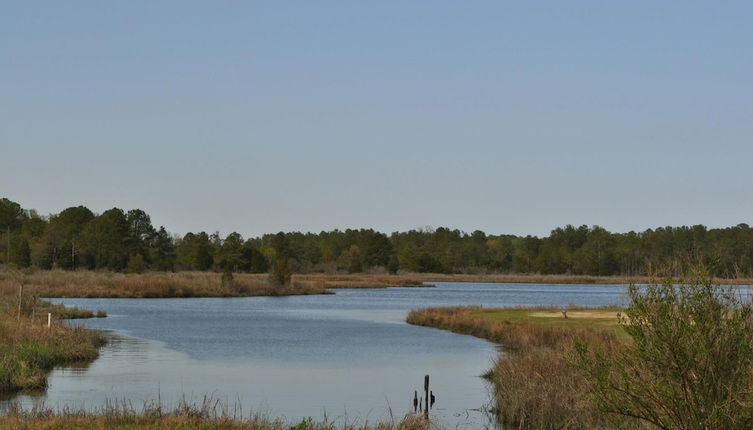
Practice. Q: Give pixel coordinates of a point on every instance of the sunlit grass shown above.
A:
(536, 385)
(29, 349)
(60, 283)
(210, 414)
(602, 318)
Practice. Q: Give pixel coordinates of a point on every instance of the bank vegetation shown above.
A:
(535, 385)
(29, 348)
(679, 356)
(204, 416)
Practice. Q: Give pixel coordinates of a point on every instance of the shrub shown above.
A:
(136, 264)
(691, 361)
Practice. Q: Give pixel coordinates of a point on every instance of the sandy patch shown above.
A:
(577, 314)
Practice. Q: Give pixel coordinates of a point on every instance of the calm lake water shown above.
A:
(349, 355)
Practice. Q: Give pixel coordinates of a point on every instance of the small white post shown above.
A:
(20, 294)
(49, 320)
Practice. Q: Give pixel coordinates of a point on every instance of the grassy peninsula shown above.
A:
(29, 349)
(188, 417)
(679, 355)
(534, 381)
(86, 283)
(106, 284)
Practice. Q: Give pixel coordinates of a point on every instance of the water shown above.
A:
(349, 355)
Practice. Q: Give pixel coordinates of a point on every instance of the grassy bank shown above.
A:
(28, 352)
(415, 279)
(84, 283)
(535, 384)
(29, 349)
(179, 423)
(59, 283)
(211, 414)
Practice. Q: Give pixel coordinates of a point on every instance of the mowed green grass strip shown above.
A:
(605, 318)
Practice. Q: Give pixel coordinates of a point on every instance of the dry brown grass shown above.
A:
(209, 415)
(360, 280)
(535, 383)
(60, 283)
(513, 335)
(368, 280)
(552, 279)
(29, 349)
(170, 422)
(83, 283)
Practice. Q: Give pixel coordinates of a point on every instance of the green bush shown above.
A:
(691, 361)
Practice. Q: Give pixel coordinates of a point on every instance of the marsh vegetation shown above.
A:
(535, 384)
(29, 348)
(679, 356)
(207, 415)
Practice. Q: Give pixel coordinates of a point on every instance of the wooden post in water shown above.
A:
(426, 396)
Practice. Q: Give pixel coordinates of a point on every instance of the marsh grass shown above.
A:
(535, 383)
(59, 283)
(209, 414)
(84, 283)
(90, 284)
(602, 319)
(375, 280)
(29, 349)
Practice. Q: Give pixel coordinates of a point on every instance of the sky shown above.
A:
(265, 116)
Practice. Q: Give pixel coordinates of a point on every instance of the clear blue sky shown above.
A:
(509, 117)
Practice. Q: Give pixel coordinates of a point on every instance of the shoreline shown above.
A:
(203, 416)
(30, 348)
(534, 382)
(91, 284)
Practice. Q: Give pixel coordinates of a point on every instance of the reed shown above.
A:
(59, 283)
(534, 278)
(171, 422)
(84, 283)
(535, 383)
(208, 415)
(29, 349)
(90, 284)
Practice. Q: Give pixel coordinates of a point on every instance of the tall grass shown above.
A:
(59, 283)
(29, 349)
(371, 280)
(210, 414)
(536, 386)
(84, 283)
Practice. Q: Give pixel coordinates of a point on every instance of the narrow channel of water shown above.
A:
(347, 355)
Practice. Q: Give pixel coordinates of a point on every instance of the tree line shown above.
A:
(118, 240)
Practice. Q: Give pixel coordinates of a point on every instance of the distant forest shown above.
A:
(118, 240)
